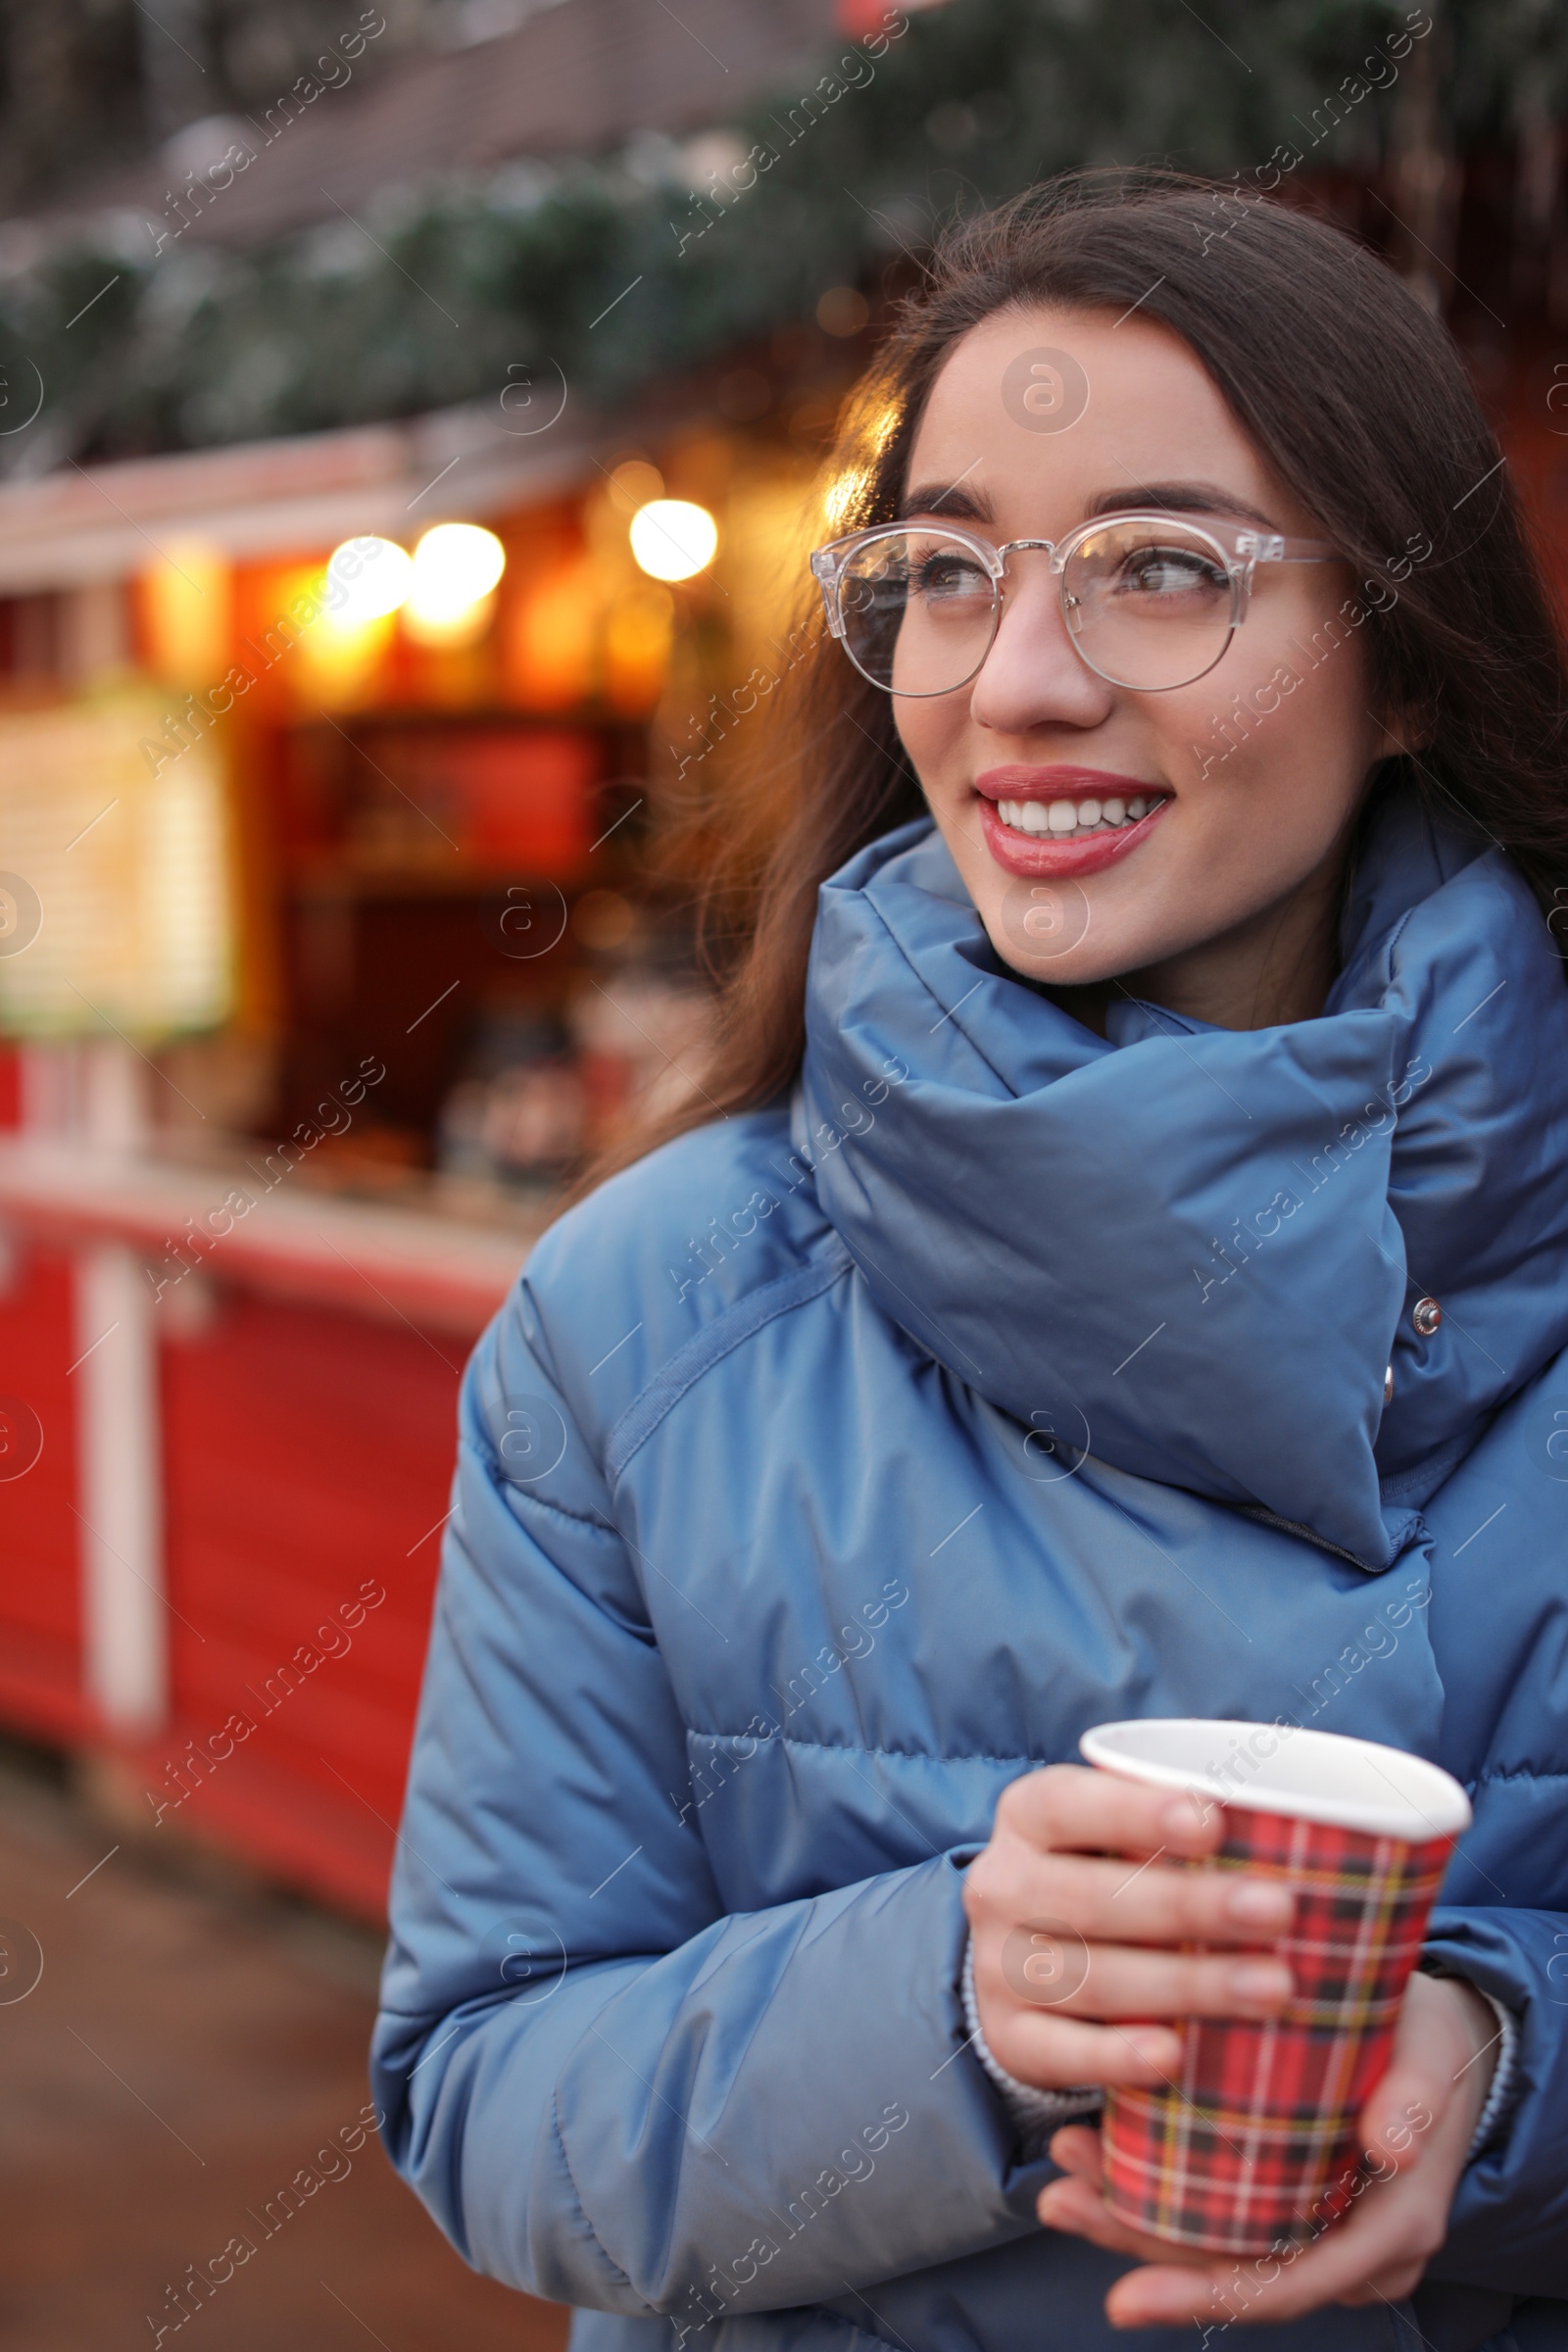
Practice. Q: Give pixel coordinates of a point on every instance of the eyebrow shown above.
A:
(1162, 498)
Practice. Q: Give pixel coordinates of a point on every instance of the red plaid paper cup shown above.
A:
(1253, 2145)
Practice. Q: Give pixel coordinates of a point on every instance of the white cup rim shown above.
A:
(1307, 1775)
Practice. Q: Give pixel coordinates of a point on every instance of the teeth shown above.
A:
(1059, 819)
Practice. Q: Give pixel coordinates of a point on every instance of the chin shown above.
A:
(1055, 928)
(1081, 970)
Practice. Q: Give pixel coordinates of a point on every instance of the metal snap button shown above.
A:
(1388, 1386)
(1425, 1315)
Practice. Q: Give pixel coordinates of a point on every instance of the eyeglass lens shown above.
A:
(1149, 607)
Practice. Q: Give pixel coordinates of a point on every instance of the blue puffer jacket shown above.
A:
(829, 1469)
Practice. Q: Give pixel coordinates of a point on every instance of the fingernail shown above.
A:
(1259, 1903)
(1155, 2046)
(1260, 1980)
(1186, 1818)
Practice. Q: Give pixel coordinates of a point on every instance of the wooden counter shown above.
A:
(229, 1469)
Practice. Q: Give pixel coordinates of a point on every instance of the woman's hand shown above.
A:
(1068, 1943)
(1416, 2127)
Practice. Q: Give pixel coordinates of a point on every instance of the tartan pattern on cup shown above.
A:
(1254, 2147)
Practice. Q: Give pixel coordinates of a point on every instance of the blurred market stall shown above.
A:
(329, 944)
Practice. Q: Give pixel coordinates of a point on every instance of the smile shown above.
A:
(1076, 820)
(1066, 820)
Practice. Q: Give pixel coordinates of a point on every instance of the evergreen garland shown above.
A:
(203, 344)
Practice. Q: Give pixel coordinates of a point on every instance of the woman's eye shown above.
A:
(949, 576)
(1171, 572)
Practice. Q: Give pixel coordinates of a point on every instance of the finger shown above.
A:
(1387, 2231)
(1074, 2207)
(1396, 2122)
(1069, 1807)
(1125, 1901)
(1169, 2292)
(1126, 1982)
(1053, 2052)
(1079, 2151)
(1437, 2080)
(1444, 2048)
(1112, 1982)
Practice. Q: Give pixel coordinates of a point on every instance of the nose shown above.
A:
(1032, 677)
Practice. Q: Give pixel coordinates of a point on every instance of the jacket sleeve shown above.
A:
(1509, 2224)
(607, 2091)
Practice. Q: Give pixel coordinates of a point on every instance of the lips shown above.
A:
(1066, 820)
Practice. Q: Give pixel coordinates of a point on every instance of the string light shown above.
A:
(365, 579)
(456, 567)
(673, 539)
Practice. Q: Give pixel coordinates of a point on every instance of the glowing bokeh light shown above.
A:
(673, 539)
(454, 567)
(366, 578)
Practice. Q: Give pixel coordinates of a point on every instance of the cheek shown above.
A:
(1317, 748)
(1291, 723)
(932, 731)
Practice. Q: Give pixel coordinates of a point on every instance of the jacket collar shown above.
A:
(1193, 1251)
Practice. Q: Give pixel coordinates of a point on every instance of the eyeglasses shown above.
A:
(1149, 601)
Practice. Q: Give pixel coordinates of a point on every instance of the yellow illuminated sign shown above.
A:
(115, 902)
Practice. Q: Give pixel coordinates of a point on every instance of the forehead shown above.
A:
(1064, 405)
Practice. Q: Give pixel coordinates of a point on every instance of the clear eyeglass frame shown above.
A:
(1236, 548)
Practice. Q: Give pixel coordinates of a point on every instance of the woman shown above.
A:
(1122, 1273)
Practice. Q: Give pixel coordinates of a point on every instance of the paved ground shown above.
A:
(187, 2048)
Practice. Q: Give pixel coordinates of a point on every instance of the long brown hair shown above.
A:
(1358, 400)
